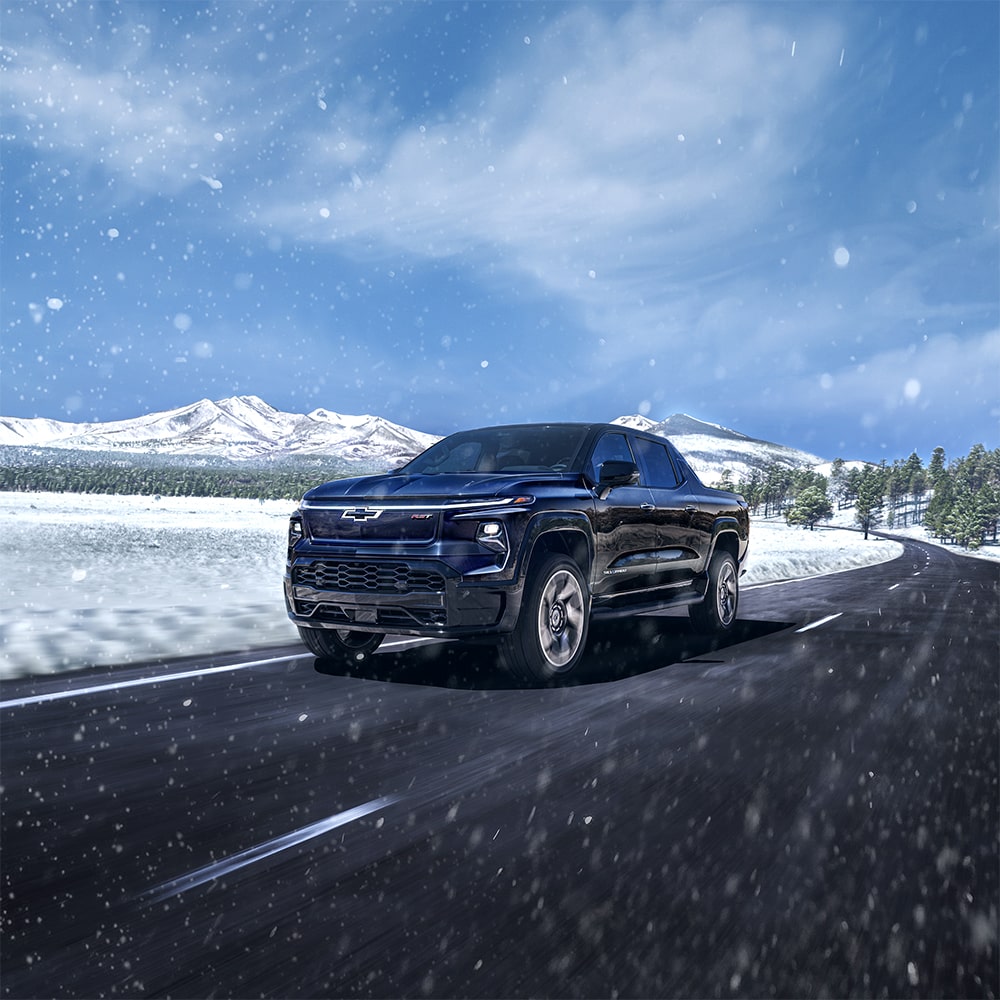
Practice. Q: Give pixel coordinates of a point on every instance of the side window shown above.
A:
(609, 448)
(685, 470)
(659, 468)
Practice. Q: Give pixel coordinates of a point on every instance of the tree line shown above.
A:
(62, 471)
(957, 501)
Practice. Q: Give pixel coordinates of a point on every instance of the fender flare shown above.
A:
(727, 525)
(565, 523)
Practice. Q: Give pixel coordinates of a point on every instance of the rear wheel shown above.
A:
(716, 614)
(342, 645)
(551, 630)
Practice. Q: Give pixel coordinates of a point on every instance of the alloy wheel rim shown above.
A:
(726, 594)
(561, 619)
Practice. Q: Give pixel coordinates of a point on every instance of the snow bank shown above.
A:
(90, 579)
(780, 552)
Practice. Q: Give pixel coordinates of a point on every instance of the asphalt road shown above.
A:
(811, 810)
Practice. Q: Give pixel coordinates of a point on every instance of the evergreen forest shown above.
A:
(54, 470)
(958, 501)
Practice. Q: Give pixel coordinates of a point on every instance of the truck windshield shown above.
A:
(543, 448)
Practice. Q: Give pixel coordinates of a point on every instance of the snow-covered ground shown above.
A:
(89, 579)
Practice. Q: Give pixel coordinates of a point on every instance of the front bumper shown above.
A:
(403, 596)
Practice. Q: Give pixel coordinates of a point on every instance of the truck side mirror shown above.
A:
(614, 473)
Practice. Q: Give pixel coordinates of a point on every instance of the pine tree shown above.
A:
(811, 505)
(777, 482)
(966, 519)
(840, 486)
(938, 513)
(870, 498)
(916, 484)
(752, 489)
(936, 470)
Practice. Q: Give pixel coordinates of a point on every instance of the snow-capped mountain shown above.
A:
(712, 449)
(240, 427)
(247, 428)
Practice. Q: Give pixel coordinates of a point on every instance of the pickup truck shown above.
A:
(520, 535)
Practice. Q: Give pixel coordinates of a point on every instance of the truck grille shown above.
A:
(370, 524)
(368, 577)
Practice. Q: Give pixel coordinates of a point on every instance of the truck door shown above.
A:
(624, 528)
(677, 552)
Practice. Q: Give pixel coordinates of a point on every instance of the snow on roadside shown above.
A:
(780, 552)
(101, 580)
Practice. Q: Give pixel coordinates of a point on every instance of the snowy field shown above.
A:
(99, 580)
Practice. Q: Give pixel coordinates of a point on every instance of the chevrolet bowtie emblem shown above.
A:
(362, 513)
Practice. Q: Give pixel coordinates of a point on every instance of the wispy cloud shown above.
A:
(650, 167)
(664, 205)
(150, 135)
(639, 130)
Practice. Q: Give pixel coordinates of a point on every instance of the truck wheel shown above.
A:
(341, 645)
(716, 614)
(551, 630)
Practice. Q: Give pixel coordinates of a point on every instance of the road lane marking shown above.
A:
(822, 621)
(204, 672)
(894, 586)
(406, 642)
(141, 681)
(252, 854)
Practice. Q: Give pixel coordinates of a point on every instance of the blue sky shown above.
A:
(778, 217)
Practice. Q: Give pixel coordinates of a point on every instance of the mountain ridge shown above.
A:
(236, 428)
(245, 428)
(713, 449)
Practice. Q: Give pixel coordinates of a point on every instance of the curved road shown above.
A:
(810, 810)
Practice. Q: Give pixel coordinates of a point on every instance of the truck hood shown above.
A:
(445, 486)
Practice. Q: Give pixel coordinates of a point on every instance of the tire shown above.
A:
(551, 632)
(341, 645)
(716, 614)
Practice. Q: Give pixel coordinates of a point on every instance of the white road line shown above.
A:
(204, 672)
(406, 642)
(894, 586)
(822, 621)
(141, 681)
(231, 864)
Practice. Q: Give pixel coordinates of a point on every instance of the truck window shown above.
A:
(609, 448)
(659, 468)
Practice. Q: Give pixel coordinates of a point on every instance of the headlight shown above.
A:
(493, 535)
(295, 531)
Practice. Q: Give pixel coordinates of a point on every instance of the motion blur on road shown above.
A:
(810, 810)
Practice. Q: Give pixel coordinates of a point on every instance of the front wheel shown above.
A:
(341, 645)
(716, 614)
(551, 630)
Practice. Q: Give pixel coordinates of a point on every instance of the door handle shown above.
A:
(646, 506)
(689, 508)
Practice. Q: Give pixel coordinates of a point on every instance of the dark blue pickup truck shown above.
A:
(522, 534)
